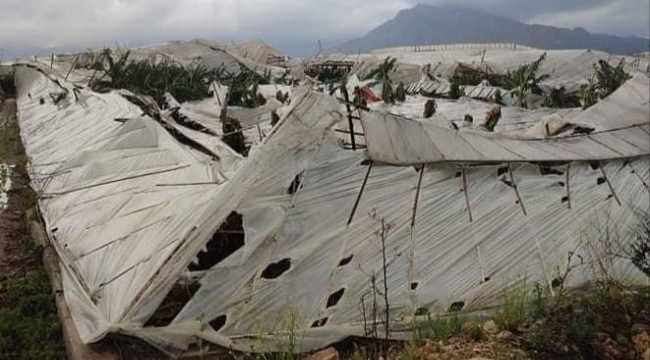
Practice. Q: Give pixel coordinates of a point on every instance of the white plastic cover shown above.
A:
(128, 208)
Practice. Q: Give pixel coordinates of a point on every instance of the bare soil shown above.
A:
(18, 255)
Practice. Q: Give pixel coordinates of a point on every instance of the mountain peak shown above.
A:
(449, 24)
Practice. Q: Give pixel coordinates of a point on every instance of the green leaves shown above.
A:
(605, 81)
(525, 80)
(146, 78)
(383, 71)
(609, 78)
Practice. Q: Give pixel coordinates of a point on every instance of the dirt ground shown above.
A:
(17, 256)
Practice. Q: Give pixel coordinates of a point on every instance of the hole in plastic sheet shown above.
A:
(565, 199)
(295, 184)
(41, 101)
(335, 298)
(346, 260)
(55, 229)
(421, 311)
(558, 184)
(582, 130)
(365, 163)
(457, 306)
(502, 170)
(601, 180)
(275, 270)
(556, 283)
(414, 285)
(180, 294)
(225, 242)
(319, 323)
(547, 170)
(486, 279)
(506, 181)
(459, 174)
(594, 165)
(610, 196)
(219, 322)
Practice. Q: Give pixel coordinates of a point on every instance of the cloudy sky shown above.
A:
(295, 26)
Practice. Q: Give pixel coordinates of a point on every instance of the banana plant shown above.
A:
(524, 81)
(381, 74)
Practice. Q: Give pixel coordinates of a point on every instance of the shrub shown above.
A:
(640, 248)
(455, 92)
(429, 108)
(440, 327)
(521, 305)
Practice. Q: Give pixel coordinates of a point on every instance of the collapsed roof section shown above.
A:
(621, 130)
(134, 214)
(208, 54)
(257, 51)
(568, 68)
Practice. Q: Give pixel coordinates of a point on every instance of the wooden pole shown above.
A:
(363, 186)
(568, 185)
(52, 61)
(618, 201)
(417, 197)
(259, 131)
(469, 208)
(346, 96)
(412, 231)
(74, 63)
(514, 186)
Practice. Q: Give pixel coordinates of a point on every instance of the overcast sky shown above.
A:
(292, 25)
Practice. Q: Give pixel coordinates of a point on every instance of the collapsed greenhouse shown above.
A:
(327, 210)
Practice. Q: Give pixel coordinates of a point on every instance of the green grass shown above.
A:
(29, 329)
(521, 304)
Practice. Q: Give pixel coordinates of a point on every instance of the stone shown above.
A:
(602, 336)
(326, 354)
(640, 328)
(433, 357)
(490, 327)
(506, 336)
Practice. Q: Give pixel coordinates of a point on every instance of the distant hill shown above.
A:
(431, 25)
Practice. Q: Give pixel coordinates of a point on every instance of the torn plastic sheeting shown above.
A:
(305, 133)
(105, 201)
(299, 250)
(315, 238)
